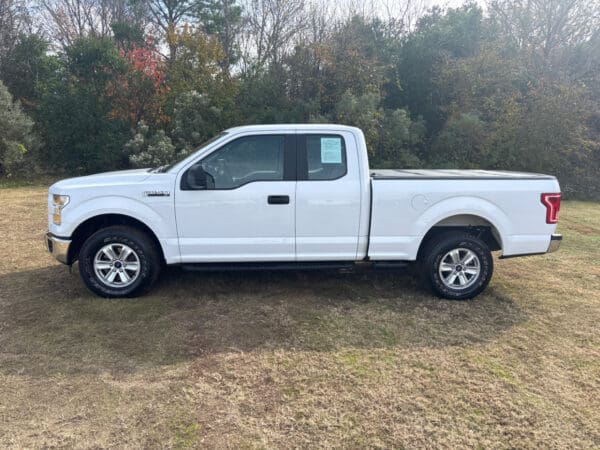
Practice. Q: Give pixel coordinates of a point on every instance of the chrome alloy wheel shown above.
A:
(459, 268)
(117, 265)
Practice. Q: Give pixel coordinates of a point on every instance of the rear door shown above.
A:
(238, 203)
(327, 197)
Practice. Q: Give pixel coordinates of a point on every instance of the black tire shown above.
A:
(438, 248)
(144, 248)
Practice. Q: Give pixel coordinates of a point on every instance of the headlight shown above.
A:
(58, 203)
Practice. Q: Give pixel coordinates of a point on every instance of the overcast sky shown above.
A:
(390, 8)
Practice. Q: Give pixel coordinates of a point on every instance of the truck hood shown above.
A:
(120, 177)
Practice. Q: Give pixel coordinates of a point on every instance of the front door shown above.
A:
(238, 203)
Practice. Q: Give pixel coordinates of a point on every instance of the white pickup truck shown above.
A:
(297, 196)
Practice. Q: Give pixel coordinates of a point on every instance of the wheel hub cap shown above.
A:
(117, 265)
(459, 268)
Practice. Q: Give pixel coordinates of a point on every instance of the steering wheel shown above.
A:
(222, 173)
(210, 181)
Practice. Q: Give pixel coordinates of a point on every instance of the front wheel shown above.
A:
(456, 265)
(119, 261)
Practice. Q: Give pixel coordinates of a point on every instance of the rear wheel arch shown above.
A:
(471, 224)
(93, 224)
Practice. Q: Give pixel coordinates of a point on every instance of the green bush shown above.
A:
(18, 142)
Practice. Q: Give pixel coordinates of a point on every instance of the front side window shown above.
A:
(239, 162)
(325, 157)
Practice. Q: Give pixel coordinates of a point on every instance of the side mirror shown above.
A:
(196, 179)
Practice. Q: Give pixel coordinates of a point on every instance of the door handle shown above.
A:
(278, 199)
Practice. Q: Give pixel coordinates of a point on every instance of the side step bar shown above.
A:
(326, 265)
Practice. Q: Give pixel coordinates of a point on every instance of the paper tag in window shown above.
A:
(331, 150)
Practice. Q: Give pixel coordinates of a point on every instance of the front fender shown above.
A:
(158, 215)
(98, 206)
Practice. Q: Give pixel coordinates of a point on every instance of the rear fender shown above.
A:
(473, 206)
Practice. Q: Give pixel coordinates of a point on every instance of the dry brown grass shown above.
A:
(271, 360)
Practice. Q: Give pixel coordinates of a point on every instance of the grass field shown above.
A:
(307, 359)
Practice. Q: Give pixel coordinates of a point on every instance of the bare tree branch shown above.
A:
(67, 20)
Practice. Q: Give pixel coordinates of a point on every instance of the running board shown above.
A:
(325, 265)
(217, 267)
(390, 265)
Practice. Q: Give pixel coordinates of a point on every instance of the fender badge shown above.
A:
(157, 193)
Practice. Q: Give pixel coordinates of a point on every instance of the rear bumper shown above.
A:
(58, 247)
(555, 241)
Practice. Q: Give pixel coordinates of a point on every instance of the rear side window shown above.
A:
(321, 157)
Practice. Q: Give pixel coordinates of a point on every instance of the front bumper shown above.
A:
(555, 241)
(58, 247)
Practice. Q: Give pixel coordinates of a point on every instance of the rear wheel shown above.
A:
(119, 261)
(456, 265)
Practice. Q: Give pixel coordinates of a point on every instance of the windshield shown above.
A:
(165, 168)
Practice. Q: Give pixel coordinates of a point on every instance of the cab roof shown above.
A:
(293, 126)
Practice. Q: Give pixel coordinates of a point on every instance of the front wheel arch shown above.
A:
(90, 226)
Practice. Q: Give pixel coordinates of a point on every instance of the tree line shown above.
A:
(95, 85)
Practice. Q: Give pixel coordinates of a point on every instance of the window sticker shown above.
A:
(331, 150)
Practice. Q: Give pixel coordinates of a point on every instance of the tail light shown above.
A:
(552, 204)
